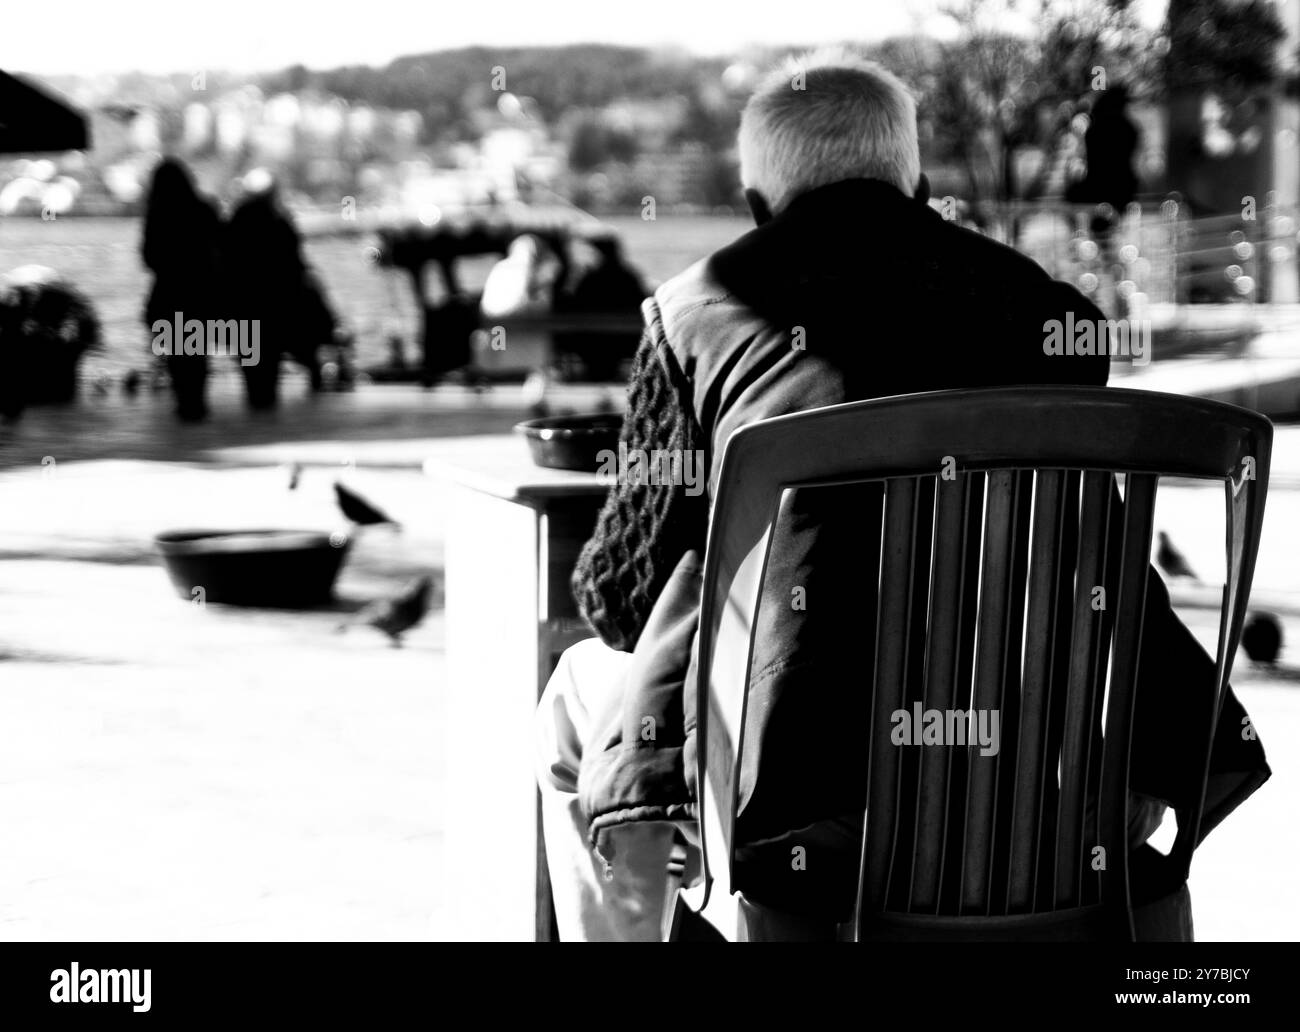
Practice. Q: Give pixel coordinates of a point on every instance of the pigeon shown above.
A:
(295, 472)
(398, 614)
(358, 510)
(533, 393)
(1172, 561)
(131, 383)
(1262, 638)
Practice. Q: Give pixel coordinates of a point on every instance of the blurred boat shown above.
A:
(448, 330)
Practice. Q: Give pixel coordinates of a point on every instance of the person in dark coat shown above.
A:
(1110, 144)
(269, 281)
(851, 287)
(180, 248)
(609, 287)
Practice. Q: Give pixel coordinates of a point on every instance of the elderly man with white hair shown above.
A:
(850, 287)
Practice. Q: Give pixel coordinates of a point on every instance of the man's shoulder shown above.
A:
(990, 257)
(693, 308)
(693, 288)
(1008, 278)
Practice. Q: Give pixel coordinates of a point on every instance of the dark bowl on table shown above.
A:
(571, 442)
(292, 569)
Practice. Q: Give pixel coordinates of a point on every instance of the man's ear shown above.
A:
(757, 206)
(923, 189)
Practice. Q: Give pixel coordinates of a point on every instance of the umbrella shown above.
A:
(33, 120)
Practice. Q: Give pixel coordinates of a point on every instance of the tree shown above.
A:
(1225, 51)
(993, 91)
(1226, 45)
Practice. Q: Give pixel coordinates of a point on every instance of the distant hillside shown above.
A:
(447, 86)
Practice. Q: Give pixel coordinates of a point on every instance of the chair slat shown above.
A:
(899, 522)
(1049, 750)
(1041, 611)
(1128, 610)
(940, 673)
(1008, 704)
(1083, 688)
(951, 873)
(909, 786)
(1093, 752)
(989, 667)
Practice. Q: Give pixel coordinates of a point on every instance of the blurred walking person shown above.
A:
(271, 283)
(180, 248)
(1110, 144)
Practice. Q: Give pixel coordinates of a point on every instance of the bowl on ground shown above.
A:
(572, 441)
(293, 569)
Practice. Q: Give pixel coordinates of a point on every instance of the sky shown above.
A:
(90, 37)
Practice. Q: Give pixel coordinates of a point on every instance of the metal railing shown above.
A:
(1154, 251)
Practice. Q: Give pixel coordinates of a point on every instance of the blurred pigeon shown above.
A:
(1172, 561)
(395, 615)
(533, 393)
(358, 510)
(1262, 638)
(295, 471)
(131, 383)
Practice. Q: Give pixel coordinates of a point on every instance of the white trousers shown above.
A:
(626, 901)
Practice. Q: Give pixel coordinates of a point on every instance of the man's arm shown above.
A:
(643, 529)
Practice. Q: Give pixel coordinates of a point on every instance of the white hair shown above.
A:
(823, 117)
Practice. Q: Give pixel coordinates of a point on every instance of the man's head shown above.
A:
(821, 118)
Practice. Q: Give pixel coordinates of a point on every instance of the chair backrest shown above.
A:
(1018, 489)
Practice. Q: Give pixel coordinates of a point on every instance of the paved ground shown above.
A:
(169, 771)
(176, 772)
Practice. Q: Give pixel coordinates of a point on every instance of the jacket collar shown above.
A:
(836, 230)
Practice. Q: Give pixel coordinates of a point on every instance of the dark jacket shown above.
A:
(885, 297)
(180, 247)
